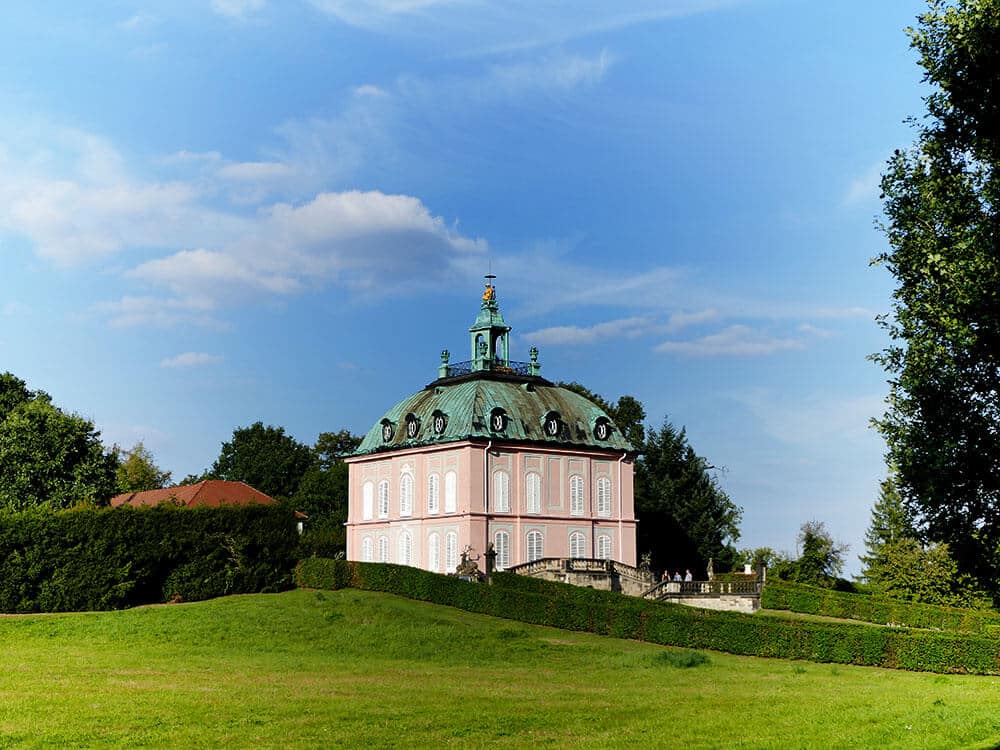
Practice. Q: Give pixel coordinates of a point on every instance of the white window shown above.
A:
(383, 549)
(501, 545)
(576, 495)
(434, 553)
(433, 494)
(450, 493)
(405, 548)
(533, 492)
(383, 499)
(366, 549)
(577, 544)
(536, 545)
(604, 547)
(368, 503)
(501, 492)
(406, 495)
(450, 552)
(604, 497)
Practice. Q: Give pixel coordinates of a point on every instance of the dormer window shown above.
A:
(498, 420)
(412, 426)
(439, 420)
(388, 430)
(552, 424)
(602, 428)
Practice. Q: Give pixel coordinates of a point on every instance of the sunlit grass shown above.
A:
(356, 669)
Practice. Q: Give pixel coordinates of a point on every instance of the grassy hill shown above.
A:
(352, 669)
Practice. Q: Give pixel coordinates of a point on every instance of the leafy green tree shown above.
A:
(322, 494)
(685, 517)
(906, 570)
(139, 472)
(48, 457)
(942, 209)
(821, 559)
(265, 458)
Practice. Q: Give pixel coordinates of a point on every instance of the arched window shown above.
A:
(366, 549)
(406, 495)
(501, 492)
(434, 553)
(450, 552)
(405, 548)
(576, 495)
(501, 544)
(533, 492)
(604, 497)
(368, 503)
(577, 544)
(383, 549)
(433, 494)
(450, 492)
(383, 499)
(536, 545)
(604, 547)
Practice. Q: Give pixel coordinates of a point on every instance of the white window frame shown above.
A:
(368, 501)
(383, 549)
(406, 494)
(604, 547)
(604, 497)
(501, 491)
(533, 492)
(501, 545)
(577, 544)
(450, 552)
(535, 545)
(433, 494)
(383, 499)
(576, 495)
(451, 493)
(434, 552)
(366, 549)
(405, 543)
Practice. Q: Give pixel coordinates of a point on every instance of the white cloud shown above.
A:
(160, 312)
(191, 359)
(816, 419)
(369, 90)
(238, 9)
(624, 328)
(736, 340)
(681, 320)
(560, 72)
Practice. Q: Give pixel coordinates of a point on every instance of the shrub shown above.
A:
(606, 613)
(820, 601)
(92, 559)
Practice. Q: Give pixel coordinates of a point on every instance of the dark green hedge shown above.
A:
(814, 600)
(111, 558)
(606, 613)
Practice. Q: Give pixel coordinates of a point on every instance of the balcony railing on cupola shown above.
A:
(455, 369)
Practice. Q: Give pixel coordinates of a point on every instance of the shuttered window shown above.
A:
(383, 499)
(536, 545)
(604, 547)
(433, 494)
(406, 495)
(434, 553)
(501, 544)
(450, 492)
(604, 497)
(383, 549)
(577, 544)
(450, 552)
(576, 495)
(405, 548)
(533, 492)
(501, 492)
(366, 549)
(368, 501)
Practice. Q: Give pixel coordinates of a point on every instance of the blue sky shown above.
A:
(221, 211)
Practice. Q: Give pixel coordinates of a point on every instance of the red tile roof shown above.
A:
(209, 492)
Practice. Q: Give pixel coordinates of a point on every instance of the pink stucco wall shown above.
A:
(476, 518)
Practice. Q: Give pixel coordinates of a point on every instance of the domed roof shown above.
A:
(490, 397)
(509, 409)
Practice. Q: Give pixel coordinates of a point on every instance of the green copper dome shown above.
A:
(492, 398)
(484, 406)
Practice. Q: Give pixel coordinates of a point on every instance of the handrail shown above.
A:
(694, 588)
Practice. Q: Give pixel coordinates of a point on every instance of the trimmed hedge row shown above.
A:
(96, 559)
(813, 600)
(606, 613)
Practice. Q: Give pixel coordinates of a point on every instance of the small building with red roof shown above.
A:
(210, 492)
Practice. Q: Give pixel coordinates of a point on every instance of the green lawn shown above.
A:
(355, 669)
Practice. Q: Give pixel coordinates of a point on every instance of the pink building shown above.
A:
(491, 453)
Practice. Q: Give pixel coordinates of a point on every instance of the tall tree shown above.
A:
(265, 458)
(322, 493)
(139, 472)
(942, 209)
(821, 559)
(48, 457)
(685, 517)
(627, 412)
